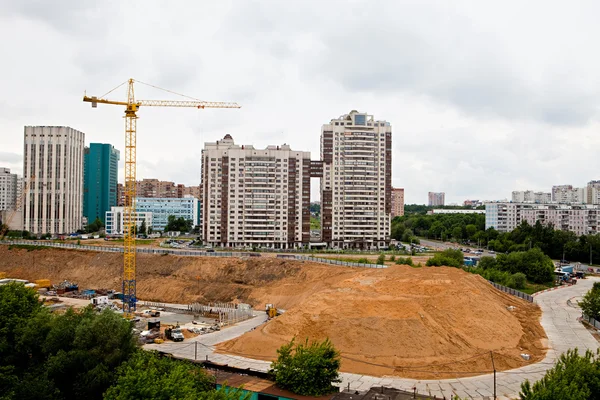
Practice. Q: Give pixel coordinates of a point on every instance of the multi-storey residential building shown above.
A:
(100, 178)
(397, 202)
(472, 203)
(120, 195)
(566, 194)
(529, 196)
(8, 189)
(115, 220)
(593, 192)
(436, 198)
(255, 197)
(579, 218)
(54, 203)
(161, 208)
(154, 188)
(356, 188)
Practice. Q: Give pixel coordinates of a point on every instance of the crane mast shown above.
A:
(129, 211)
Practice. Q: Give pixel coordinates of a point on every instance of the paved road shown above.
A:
(558, 319)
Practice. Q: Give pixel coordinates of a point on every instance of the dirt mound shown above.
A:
(409, 322)
(395, 321)
(175, 279)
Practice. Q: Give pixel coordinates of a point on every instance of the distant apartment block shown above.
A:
(153, 188)
(454, 211)
(54, 155)
(356, 188)
(255, 197)
(115, 220)
(436, 198)
(397, 202)
(529, 196)
(566, 194)
(582, 219)
(100, 178)
(593, 192)
(472, 203)
(8, 189)
(161, 208)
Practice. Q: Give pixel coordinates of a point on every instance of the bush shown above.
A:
(573, 377)
(363, 261)
(519, 280)
(404, 261)
(590, 305)
(448, 257)
(307, 369)
(392, 258)
(381, 260)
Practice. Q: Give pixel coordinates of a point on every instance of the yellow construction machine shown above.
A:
(271, 311)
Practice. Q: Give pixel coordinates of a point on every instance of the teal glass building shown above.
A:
(100, 178)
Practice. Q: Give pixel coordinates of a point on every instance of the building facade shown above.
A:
(529, 196)
(255, 197)
(436, 199)
(115, 220)
(356, 184)
(100, 179)
(567, 194)
(397, 202)
(161, 208)
(153, 188)
(53, 155)
(8, 189)
(582, 219)
(593, 192)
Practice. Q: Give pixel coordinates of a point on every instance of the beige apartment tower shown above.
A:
(53, 155)
(255, 197)
(397, 202)
(356, 188)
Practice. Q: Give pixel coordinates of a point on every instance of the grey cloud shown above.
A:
(11, 158)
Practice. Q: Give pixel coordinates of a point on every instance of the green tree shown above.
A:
(590, 305)
(307, 369)
(147, 375)
(381, 259)
(178, 224)
(95, 226)
(471, 231)
(143, 228)
(487, 263)
(448, 258)
(574, 377)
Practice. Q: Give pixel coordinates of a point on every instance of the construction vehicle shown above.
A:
(132, 106)
(271, 311)
(151, 313)
(18, 205)
(174, 333)
(43, 283)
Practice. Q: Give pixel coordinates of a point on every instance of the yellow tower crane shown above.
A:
(129, 221)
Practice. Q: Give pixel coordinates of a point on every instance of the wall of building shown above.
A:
(8, 189)
(101, 169)
(436, 198)
(54, 155)
(115, 220)
(397, 202)
(162, 208)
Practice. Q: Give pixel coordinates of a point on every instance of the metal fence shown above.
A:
(187, 253)
(514, 292)
(591, 321)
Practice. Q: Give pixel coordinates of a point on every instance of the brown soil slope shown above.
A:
(399, 321)
(409, 322)
(172, 279)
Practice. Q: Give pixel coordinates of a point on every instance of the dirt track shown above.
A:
(385, 322)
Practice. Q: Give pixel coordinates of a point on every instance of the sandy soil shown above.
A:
(385, 322)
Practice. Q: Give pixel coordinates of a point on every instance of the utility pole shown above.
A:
(494, 366)
(195, 351)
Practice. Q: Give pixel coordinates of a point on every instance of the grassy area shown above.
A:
(315, 223)
(531, 288)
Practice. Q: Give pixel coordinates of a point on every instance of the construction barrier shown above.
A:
(186, 253)
(591, 321)
(513, 292)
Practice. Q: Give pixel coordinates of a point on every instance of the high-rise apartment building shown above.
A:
(255, 197)
(593, 192)
(356, 188)
(397, 202)
(54, 156)
(436, 198)
(568, 194)
(100, 178)
(529, 196)
(8, 189)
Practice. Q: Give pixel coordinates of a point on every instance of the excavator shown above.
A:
(271, 311)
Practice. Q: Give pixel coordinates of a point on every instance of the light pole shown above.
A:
(590, 254)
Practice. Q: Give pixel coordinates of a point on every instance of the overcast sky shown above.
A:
(483, 97)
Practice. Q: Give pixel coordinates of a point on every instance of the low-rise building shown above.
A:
(161, 208)
(115, 220)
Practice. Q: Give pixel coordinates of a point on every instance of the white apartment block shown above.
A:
(115, 220)
(436, 198)
(255, 197)
(356, 188)
(567, 194)
(162, 208)
(579, 218)
(53, 155)
(8, 189)
(529, 196)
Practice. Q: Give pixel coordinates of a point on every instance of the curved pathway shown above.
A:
(558, 319)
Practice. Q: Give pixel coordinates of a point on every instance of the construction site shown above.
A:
(399, 321)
